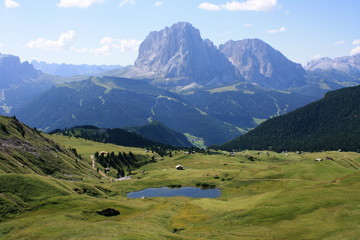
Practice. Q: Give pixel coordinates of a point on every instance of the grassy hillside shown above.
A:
(265, 195)
(25, 150)
(331, 123)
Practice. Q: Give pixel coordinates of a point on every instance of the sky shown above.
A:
(110, 31)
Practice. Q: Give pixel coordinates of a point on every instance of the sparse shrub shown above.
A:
(205, 185)
(3, 128)
(176, 230)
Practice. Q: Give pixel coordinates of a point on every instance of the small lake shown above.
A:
(192, 192)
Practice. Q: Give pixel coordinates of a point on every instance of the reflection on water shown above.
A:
(176, 192)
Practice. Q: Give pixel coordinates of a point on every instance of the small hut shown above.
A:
(179, 167)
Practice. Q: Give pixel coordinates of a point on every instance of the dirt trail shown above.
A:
(93, 165)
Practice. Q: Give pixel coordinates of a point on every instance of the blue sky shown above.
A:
(110, 31)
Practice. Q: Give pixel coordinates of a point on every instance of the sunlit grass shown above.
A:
(264, 196)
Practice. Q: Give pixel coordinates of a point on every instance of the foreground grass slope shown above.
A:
(25, 150)
(275, 196)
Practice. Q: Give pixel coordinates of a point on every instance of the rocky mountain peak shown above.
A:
(178, 55)
(260, 63)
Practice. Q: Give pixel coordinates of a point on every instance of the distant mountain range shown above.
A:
(349, 64)
(178, 58)
(331, 123)
(71, 70)
(211, 94)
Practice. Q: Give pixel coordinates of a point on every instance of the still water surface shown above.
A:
(176, 192)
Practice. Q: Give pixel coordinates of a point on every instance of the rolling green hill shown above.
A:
(331, 123)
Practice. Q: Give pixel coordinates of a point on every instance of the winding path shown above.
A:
(93, 165)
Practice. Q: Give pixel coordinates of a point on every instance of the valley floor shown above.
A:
(264, 196)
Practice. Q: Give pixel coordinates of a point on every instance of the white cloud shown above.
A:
(108, 44)
(356, 42)
(355, 50)
(125, 2)
(11, 4)
(251, 5)
(248, 5)
(272, 31)
(209, 6)
(1, 45)
(77, 3)
(158, 4)
(64, 41)
(248, 25)
(340, 42)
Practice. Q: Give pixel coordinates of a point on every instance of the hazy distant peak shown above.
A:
(347, 64)
(14, 72)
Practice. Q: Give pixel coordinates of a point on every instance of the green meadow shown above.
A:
(264, 196)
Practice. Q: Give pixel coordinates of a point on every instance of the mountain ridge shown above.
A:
(331, 123)
(71, 70)
(347, 64)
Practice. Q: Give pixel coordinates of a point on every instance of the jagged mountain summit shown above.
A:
(347, 64)
(177, 55)
(13, 71)
(260, 63)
